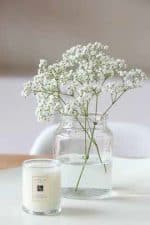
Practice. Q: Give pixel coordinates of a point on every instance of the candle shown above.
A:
(41, 186)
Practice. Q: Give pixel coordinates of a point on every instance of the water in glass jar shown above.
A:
(95, 181)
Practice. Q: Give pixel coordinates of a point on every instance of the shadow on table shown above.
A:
(80, 212)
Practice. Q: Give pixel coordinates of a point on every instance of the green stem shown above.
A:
(98, 152)
(50, 93)
(82, 170)
(85, 134)
(86, 159)
(94, 141)
(96, 106)
(114, 102)
(91, 140)
(97, 149)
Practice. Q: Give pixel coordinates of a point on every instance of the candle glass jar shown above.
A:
(41, 186)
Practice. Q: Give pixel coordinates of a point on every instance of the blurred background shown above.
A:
(34, 29)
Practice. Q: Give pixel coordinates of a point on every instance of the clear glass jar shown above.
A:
(84, 147)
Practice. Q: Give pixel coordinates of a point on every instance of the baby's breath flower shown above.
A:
(27, 89)
(84, 73)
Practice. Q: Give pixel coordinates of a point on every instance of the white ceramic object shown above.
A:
(131, 140)
(45, 141)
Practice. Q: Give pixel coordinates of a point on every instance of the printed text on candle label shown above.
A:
(39, 188)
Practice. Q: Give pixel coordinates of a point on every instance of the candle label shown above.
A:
(39, 188)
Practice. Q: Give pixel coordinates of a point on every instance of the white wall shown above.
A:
(32, 29)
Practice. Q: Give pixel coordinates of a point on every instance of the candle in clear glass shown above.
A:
(41, 186)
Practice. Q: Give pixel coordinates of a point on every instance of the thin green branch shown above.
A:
(85, 134)
(106, 111)
(50, 93)
(85, 160)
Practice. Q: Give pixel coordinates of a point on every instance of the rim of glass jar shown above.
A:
(49, 163)
(100, 116)
(90, 114)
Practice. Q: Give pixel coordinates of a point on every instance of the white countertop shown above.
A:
(129, 204)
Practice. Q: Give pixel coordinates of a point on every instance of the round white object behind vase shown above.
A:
(131, 140)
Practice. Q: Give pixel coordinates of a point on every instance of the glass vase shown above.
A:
(84, 147)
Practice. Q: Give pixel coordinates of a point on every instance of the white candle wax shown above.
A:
(41, 186)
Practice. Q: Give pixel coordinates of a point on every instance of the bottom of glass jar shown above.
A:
(52, 212)
(86, 193)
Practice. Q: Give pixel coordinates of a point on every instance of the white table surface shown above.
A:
(129, 204)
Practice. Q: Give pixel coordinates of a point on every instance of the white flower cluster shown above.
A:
(83, 74)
